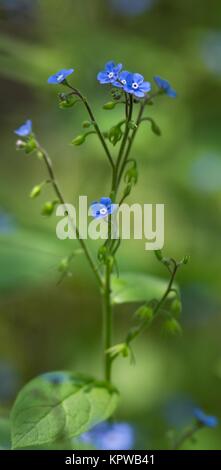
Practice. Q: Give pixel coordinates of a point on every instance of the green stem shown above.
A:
(107, 320)
(187, 435)
(58, 193)
(140, 328)
(124, 141)
(94, 122)
(131, 141)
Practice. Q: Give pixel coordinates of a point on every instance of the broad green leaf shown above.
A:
(59, 405)
(132, 287)
(5, 434)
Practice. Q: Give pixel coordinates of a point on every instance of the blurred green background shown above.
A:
(48, 327)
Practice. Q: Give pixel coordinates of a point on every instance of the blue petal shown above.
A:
(109, 66)
(138, 78)
(106, 201)
(160, 82)
(102, 77)
(128, 77)
(117, 84)
(95, 210)
(60, 76)
(145, 87)
(206, 420)
(25, 129)
(124, 75)
(138, 93)
(128, 88)
(118, 68)
(172, 93)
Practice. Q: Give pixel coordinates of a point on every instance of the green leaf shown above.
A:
(59, 405)
(132, 287)
(5, 434)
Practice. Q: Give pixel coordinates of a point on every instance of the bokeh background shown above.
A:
(48, 327)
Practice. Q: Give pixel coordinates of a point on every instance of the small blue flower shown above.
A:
(60, 76)
(203, 418)
(134, 83)
(101, 209)
(165, 86)
(110, 73)
(110, 436)
(25, 129)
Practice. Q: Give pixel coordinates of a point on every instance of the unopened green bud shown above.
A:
(40, 154)
(115, 134)
(35, 191)
(110, 105)
(144, 312)
(79, 140)
(48, 208)
(176, 307)
(64, 265)
(86, 124)
(172, 327)
(155, 128)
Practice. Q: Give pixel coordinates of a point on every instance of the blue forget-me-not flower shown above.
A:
(60, 76)
(165, 86)
(25, 129)
(134, 83)
(101, 209)
(110, 73)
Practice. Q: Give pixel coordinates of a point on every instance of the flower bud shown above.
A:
(79, 140)
(64, 265)
(48, 208)
(176, 307)
(110, 105)
(144, 313)
(35, 191)
(86, 124)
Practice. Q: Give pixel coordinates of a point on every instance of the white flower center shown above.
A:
(103, 211)
(135, 86)
(110, 75)
(123, 82)
(59, 77)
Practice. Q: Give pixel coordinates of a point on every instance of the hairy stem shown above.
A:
(58, 193)
(187, 435)
(129, 113)
(94, 122)
(107, 320)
